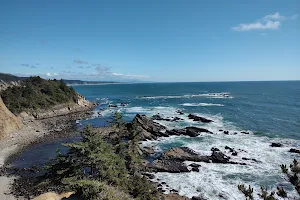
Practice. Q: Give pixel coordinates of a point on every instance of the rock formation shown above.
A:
(8, 121)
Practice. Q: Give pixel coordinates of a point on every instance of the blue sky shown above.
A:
(157, 40)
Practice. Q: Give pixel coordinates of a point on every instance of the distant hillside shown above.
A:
(86, 82)
(35, 93)
(8, 77)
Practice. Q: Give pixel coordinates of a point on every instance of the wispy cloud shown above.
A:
(77, 61)
(269, 22)
(29, 66)
(84, 67)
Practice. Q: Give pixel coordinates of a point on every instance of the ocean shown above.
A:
(269, 111)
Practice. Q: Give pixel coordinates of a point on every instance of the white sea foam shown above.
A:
(201, 104)
(207, 95)
(213, 179)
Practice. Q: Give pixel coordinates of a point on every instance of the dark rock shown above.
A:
(274, 144)
(157, 117)
(164, 183)
(230, 149)
(226, 132)
(148, 151)
(295, 150)
(180, 112)
(198, 118)
(168, 166)
(194, 165)
(221, 130)
(250, 159)
(214, 149)
(234, 153)
(219, 157)
(174, 191)
(112, 106)
(198, 198)
(176, 119)
(195, 169)
(150, 176)
(183, 154)
(244, 132)
(147, 127)
(196, 130)
(176, 132)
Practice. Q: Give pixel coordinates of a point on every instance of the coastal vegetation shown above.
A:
(293, 176)
(36, 93)
(99, 167)
(9, 77)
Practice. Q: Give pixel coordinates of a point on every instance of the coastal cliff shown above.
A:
(8, 121)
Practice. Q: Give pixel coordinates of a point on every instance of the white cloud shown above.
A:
(48, 74)
(269, 22)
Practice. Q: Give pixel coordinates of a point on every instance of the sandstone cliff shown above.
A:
(8, 121)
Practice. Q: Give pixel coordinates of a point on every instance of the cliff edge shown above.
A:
(8, 121)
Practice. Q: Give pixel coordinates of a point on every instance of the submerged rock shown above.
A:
(198, 118)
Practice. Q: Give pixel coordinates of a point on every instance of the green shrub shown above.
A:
(37, 93)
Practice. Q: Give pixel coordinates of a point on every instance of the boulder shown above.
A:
(189, 131)
(150, 176)
(183, 154)
(196, 130)
(170, 166)
(194, 165)
(148, 151)
(244, 132)
(250, 159)
(295, 150)
(214, 149)
(274, 144)
(195, 169)
(147, 127)
(180, 112)
(219, 157)
(176, 132)
(198, 118)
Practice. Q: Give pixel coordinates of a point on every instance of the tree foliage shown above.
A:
(292, 173)
(37, 93)
(100, 169)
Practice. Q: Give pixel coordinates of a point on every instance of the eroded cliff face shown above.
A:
(8, 121)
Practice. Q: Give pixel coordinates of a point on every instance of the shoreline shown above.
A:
(58, 125)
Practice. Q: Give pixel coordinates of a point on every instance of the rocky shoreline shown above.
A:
(172, 160)
(45, 126)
